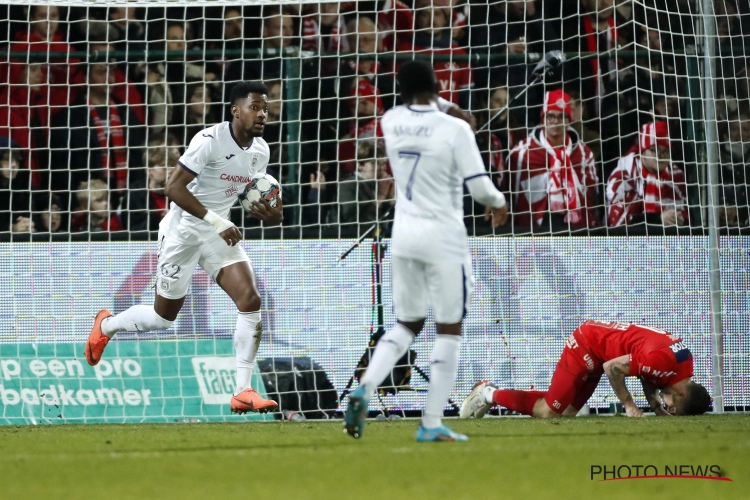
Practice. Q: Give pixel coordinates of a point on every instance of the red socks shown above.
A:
(520, 401)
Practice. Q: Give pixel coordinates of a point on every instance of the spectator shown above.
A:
(199, 113)
(147, 203)
(580, 123)
(45, 37)
(277, 35)
(178, 70)
(15, 209)
(369, 193)
(323, 29)
(501, 125)
(93, 213)
(396, 23)
(433, 37)
(605, 82)
(363, 38)
(554, 172)
(96, 138)
(512, 27)
(366, 106)
(646, 185)
(48, 216)
(129, 35)
(123, 89)
(26, 105)
(735, 172)
(230, 68)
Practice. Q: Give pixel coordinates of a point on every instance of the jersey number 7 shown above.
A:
(410, 155)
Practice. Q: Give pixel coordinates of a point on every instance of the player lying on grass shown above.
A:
(217, 165)
(661, 360)
(431, 155)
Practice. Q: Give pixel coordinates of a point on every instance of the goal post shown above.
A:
(100, 99)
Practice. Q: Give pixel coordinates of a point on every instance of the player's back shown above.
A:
(611, 340)
(423, 147)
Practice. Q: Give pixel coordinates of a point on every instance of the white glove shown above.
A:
(219, 223)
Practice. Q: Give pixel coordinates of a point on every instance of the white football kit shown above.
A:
(222, 168)
(431, 155)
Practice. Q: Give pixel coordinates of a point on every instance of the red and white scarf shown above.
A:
(592, 42)
(564, 187)
(114, 157)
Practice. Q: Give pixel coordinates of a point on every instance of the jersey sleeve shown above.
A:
(652, 363)
(466, 153)
(199, 153)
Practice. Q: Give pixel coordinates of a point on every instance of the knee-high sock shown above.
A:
(389, 350)
(443, 369)
(520, 401)
(246, 342)
(140, 318)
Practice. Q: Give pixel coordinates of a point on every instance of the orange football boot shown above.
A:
(250, 400)
(97, 340)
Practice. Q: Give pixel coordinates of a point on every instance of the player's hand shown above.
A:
(461, 114)
(660, 411)
(499, 216)
(262, 210)
(232, 236)
(633, 411)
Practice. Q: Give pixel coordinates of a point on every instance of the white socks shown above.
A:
(443, 370)
(138, 318)
(389, 350)
(246, 342)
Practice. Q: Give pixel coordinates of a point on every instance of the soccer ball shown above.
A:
(265, 187)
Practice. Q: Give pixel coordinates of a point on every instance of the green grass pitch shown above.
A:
(505, 458)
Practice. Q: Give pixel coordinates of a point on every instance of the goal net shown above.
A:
(626, 171)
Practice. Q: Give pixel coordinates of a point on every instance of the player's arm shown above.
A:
(177, 191)
(653, 399)
(455, 110)
(617, 369)
(469, 160)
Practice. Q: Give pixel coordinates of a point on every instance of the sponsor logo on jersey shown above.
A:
(235, 178)
(589, 362)
(231, 190)
(657, 373)
(230, 157)
(572, 343)
(207, 135)
(680, 350)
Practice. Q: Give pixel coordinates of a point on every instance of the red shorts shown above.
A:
(572, 383)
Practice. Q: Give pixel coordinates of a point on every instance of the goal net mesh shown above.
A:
(628, 192)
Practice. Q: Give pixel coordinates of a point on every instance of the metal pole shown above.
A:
(713, 162)
(292, 105)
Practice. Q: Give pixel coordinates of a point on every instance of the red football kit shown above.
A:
(662, 359)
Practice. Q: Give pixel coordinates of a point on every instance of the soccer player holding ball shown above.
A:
(218, 164)
(661, 360)
(432, 155)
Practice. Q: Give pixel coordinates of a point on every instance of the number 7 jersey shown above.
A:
(431, 154)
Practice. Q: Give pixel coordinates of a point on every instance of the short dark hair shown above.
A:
(416, 77)
(697, 399)
(243, 89)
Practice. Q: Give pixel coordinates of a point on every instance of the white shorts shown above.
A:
(417, 285)
(177, 261)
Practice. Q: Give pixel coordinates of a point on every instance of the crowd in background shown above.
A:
(98, 104)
